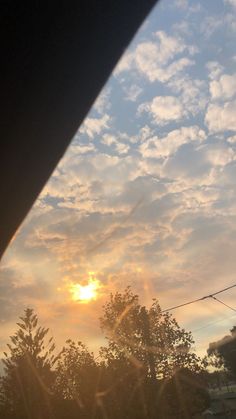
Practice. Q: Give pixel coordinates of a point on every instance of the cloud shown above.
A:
(108, 139)
(163, 109)
(102, 103)
(153, 59)
(224, 88)
(19, 290)
(192, 93)
(187, 163)
(182, 27)
(141, 187)
(113, 141)
(218, 22)
(122, 148)
(215, 69)
(220, 154)
(132, 92)
(221, 118)
(231, 2)
(93, 126)
(210, 25)
(182, 4)
(82, 149)
(163, 147)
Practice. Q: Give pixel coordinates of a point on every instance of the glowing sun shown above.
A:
(85, 293)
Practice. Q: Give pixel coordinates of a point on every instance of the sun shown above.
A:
(85, 293)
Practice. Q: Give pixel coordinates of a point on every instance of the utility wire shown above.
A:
(204, 298)
(222, 302)
(185, 304)
(212, 323)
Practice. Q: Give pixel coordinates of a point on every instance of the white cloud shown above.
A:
(220, 154)
(153, 58)
(224, 88)
(122, 148)
(93, 126)
(81, 149)
(145, 133)
(133, 92)
(231, 2)
(215, 69)
(221, 117)
(163, 147)
(181, 4)
(108, 139)
(125, 63)
(114, 168)
(164, 109)
(102, 103)
(165, 48)
(165, 74)
(192, 91)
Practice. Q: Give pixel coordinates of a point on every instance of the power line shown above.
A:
(203, 298)
(185, 304)
(222, 302)
(224, 289)
(212, 323)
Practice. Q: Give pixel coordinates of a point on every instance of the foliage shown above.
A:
(136, 376)
(76, 374)
(28, 376)
(223, 352)
(147, 337)
(184, 395)
(122, 387)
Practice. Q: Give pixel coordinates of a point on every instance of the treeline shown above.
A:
(147, 370)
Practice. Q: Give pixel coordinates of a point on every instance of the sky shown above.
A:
(146, 193)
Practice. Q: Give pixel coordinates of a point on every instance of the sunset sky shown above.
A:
(146, 192)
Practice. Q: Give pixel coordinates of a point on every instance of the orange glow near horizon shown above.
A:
(85, 293)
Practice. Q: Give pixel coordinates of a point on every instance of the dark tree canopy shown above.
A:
(28, 376)
(184, 395)
(147, 337)
(224, 352)
(76, 375)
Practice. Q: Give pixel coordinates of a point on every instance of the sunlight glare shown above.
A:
(85, 293)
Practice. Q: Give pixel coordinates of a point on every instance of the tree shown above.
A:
(223, 352)
(147, 337)
(184, 395)
(76, 375)
(28, 376)
(122, 387)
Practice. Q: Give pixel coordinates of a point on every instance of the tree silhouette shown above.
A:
(184, 395)
(28, 376)
(146, 336)
(122, 387)
(76, 376)
(223, 352)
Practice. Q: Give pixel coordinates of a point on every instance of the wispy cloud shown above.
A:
(94, 126)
